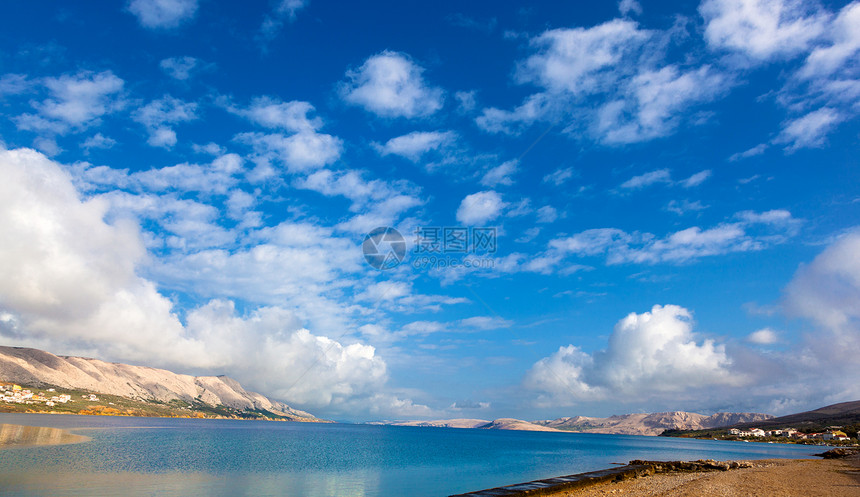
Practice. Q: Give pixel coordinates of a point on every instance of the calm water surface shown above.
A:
(183, 457)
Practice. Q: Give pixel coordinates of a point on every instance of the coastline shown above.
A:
(12, 435)
(835, 476)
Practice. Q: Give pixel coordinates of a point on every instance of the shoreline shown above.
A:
(835, 476)
(12, 435)
(125, 415)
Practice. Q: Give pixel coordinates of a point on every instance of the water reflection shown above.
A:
(190, 483)
(18, 435)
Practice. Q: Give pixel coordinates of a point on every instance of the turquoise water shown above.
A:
(183, 457)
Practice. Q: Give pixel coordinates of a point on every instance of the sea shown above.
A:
(188, 457)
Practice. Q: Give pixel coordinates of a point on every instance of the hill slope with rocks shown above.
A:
(37, 368)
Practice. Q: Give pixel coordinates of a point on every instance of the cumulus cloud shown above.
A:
(749, 232)
(391, 84)
(762, 29)
(651, 354)
(76, 102)
(581, 60)
(480, 207)
(654, 101)
(616, 63)
(375, 202)
(828, 289)
(162, 14)
(71, 284)
(273, 113)
(158, 115)
(300, 152)
(414, 145)
(98, 141)
(216, 177)
(764, 336)
(500, 175)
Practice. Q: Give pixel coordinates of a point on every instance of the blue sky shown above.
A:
(672, 187)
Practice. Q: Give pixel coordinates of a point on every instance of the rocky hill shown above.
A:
(844, 413)
(515, 424)
(439, 423)
(37, 368)
(651, 424)
(498, 424)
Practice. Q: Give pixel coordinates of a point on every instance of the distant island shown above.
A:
(652, 424)
(33, 380)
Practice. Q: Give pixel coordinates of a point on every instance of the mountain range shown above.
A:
(39, 368)
(628, 424)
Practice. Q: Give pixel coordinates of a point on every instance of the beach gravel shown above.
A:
(769, 478)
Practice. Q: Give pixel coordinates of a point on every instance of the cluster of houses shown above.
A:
(831, 434)
(18, 395)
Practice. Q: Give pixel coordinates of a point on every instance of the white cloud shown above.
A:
(534, 108)
(844, 37)
(752, 231)
(827, 292)
(414, 145)
(273, 113)
(99, 141)
(664, 176)
(377, 202)
(466, 100)
(654, 101)
(764, 336)
(162, 14)
(626, 7)
(752, 152)
(47, 146)
(579, 60)
(828, 289)
(560, 176)
(547, 214)
(285, 10)
(685, 206)
(13, 84)
(390, 84)
(480, 207)
(616, 63)
(653, 354)
(648, 179)
(179, 67)
(298, 153)
(762, 29)
(83, 294)
(76, 101)
(810, 130)
(157, 115)
(500, 175)
(696, 179)
(217, 177)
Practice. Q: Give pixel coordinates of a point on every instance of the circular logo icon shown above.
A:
(384, 248)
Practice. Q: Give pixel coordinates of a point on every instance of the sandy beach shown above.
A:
(20, 436)
(767, 478)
